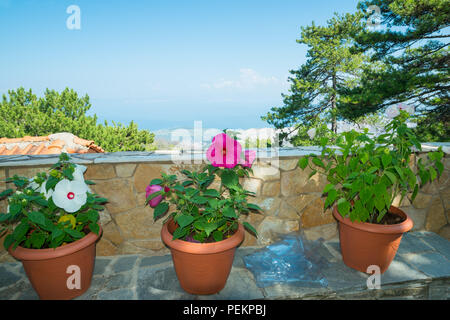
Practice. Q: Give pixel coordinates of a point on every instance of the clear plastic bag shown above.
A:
(292, 259)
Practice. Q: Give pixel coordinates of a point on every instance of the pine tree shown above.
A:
(410, 61)
(313, 97)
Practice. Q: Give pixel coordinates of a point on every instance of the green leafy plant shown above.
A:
(51, 209)
(203, 213)
(366, 174)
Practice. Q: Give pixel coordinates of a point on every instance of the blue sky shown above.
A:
(165, 63)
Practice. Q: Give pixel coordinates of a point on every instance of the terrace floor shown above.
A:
(420, 270)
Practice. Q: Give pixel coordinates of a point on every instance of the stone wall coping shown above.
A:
(167, 156)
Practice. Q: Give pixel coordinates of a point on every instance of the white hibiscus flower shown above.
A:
(78, 174)
(311, 133)
(70, 195)
(392, 111)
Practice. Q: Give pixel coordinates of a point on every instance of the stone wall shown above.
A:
(290, 201)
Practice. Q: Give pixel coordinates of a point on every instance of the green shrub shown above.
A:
(22, 114)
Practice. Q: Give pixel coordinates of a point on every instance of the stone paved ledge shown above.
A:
(421, 270)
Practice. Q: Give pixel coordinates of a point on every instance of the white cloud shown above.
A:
(248, 79)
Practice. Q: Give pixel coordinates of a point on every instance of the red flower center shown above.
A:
(70, 195)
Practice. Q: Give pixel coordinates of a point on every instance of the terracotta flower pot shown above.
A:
(365, 244)
(49, 270)
(202, 268)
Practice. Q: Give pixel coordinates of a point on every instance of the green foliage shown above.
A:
(22, 113)
(366, 174)
(201, 212)
(33, 221)
(409, 61)
(432, 129)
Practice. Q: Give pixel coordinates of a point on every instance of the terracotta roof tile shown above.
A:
(51, 144)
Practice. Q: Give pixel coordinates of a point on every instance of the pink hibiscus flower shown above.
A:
(152, 189)
(224, 151)
(250, 156)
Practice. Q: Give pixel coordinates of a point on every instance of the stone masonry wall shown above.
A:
(290, 201)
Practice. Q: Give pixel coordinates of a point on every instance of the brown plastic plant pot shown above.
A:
(48, 269)
(365, 244)
(201, 268)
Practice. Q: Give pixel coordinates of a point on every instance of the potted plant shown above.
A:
(366, 174)
(52, 226)
(203, 229)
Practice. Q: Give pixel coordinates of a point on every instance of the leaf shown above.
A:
(303, 162)
(391, 176)
(229, 212)
(332, 194)
(100, 200)
(211, 193)
(365, 194)
(156, 181)
(364, 157)
(36, 217)
(42, 202)
(400, 172)
(74, 233)
(92, 215)
(5, 217)
(357, 211)
(328, 187)
(312, 173)
(37, 239)
(250, 228)
(160, 210)
(20, 231)
(208, 227)
(380, 203)
(15, 208)
(5, 193)
(51, 183)
(179, 233)
(68, 173)
(94, 227)
(57, 234)
(433, 174)
(9, 240)
(253, 206)
(318, 162)
(229, 178)
(187, 183)
(344, 207)
(89, 182)
(386, 159)
(199, 200)
(218, 235)
(184, 220)
(439, 166)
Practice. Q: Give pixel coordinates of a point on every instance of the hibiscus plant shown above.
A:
(202, 213)
(51, 209)
(366, 174)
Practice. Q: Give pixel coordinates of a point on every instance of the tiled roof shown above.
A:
(51, 144)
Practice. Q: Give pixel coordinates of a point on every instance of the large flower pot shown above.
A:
(52, 272)
(201, 268)
(366, 244)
